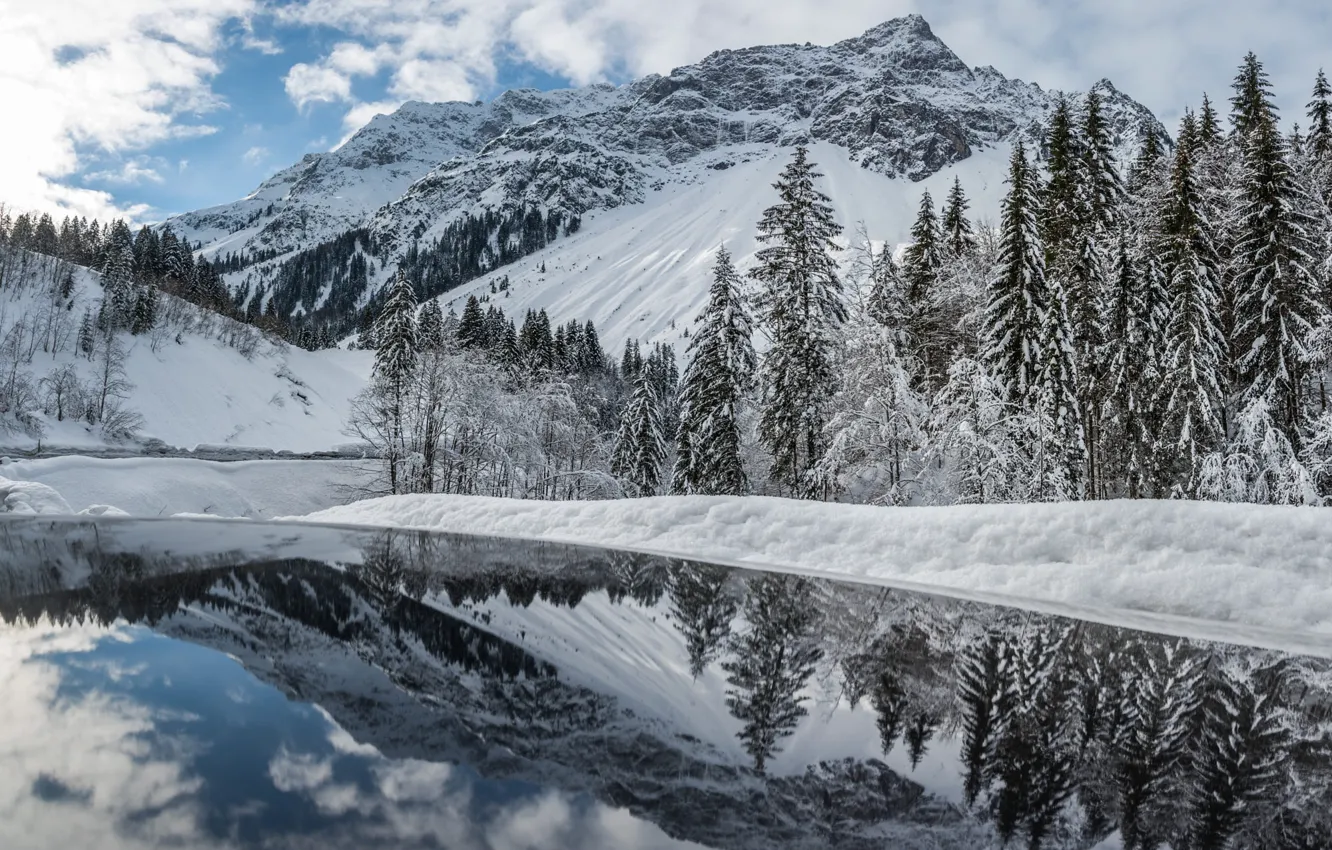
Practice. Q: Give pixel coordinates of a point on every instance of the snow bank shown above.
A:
(150, 487)
(1246, 573)
(26, 497)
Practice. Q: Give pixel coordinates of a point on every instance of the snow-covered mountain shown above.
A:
(658, 171)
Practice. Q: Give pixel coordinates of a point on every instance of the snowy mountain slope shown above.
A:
(197, 378)
(884, 110)
(642, 271)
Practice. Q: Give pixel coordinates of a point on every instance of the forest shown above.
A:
(1155, 329)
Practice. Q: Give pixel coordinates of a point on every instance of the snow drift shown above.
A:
(1240, 573)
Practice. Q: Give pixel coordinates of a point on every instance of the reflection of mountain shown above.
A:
(545, 663)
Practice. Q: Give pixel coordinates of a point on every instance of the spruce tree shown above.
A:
(1319, 141)
(1209, 125)
(640, 443)
(145, 310)
(1251, 105)
(1320, 120)
(715, 384)
(1190, 393)
(472, 326)
(923, 258)
(957, 232)
(430, 326)
(1136, 307)
(87, 340)
(800, 307)
(394, 370)
(1104, 188)
(1018, 295)
(1144, 164)
(118, 277)
(1277, 282)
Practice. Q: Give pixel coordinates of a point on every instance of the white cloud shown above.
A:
(137, 73)
(255, 155)
(131, 173)
(306, 84)
(1164, 54)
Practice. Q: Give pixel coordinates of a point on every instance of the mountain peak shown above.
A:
(907, 42)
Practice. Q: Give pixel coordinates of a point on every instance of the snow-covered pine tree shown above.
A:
(1190, 391)
(472, 326)
(1018, 294)
(1104, 188)
(1319, 141)
(957, 232)
(1277, 283)
(640, 445)
(118, 277)
(394, 369)
(716, 381)
(145, 310)
(87, 339)
(1144, 164)
(800, 307)
(1135, 312)
(1209, 124)
(922, 263)
(430, 326)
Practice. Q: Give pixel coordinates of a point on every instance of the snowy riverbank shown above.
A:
(1248, 573)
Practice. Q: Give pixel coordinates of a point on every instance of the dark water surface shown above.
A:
(213, 684)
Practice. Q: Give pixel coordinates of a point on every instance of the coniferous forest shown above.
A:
(1154, 329)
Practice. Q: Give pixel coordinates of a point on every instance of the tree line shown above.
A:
(1163, 331)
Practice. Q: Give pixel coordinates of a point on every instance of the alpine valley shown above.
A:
(607, 203)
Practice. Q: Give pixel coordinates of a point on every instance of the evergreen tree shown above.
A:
(640, 444)
(1018, 295)
(800, 307)
(1145, 164)
(922, 264)
(918, 736)
(1277, 282)
(1251, 105)
(1104, 187)
(1135, 312)
(472, 326)
(1190, 393)
(394, 370)
(1319, 141)
(1209, 125)
(957, 232)
(118, 277)
(771, 662)
(923, 258)
(145, 310)
(430, 326)
(714, 386)
(87, 340)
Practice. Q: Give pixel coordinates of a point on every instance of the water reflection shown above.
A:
(722, 707)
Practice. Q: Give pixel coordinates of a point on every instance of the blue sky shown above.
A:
(149, 107)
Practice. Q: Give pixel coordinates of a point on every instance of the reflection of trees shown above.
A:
(1066, 732)
(703, 609)
(772, 662)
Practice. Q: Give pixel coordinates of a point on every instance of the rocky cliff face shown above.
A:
(895, 100)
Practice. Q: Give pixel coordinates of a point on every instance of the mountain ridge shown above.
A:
(895, 102)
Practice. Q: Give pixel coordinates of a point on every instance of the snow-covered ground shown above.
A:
(1240, 573)
(150, 487)
(190, 386)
